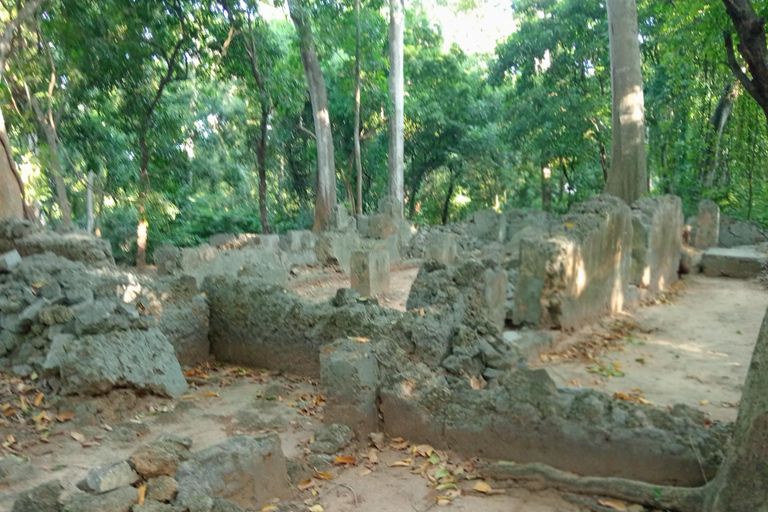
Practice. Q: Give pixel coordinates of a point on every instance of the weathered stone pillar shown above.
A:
(370, 272)
(443, 248)
(708, 225)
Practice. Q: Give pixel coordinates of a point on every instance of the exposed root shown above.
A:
(676, 499)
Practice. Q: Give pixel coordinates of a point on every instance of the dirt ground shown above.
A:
(321, 284)
(693, 349)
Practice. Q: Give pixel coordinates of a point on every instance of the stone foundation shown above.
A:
(657, 241)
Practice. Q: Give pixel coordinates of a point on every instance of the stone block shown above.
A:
(707, 225)
(96, 364)
(370, 272)
(443, 248)
(335, 248)
(233, 240)
(9, 260)
(249, 471)
(43, 498)
(657, 226)
(740, 262)
(734, 233)
(107, 477)
(349, 372)
(167, 259)
(489, 225)
(119, 500)
(269, 241)
(580, 271)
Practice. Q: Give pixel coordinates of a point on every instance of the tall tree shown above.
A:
(396, 94)
(12, 196)
(752, 46)
(325, 195)
(248, 42)
(358, 162)
(628, 177)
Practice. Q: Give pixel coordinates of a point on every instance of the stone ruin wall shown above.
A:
(416, 368)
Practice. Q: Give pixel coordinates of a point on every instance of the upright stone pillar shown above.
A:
(370, 272)
(708, 225)
(443, 248)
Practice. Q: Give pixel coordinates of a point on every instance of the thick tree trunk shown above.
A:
(325, 198)
(752, 47)
(12, 202)
(718, 121)
(357, 111)
(628, 177)
(396, 92)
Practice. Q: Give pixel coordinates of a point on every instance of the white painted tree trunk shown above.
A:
(627, 177)
(396, 92)
(325, 199)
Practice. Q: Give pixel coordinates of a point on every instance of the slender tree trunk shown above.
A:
(357, 111)
(447, 203)
(89, 203)
(145, 187)
(396, 93)
(628, 178)
(546, 190)
(718, 121)
(261, 158)
(325, 199)
(61, 186)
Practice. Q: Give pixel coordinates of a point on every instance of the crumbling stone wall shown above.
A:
(580, 270)
(657, 241)
(734, 233)
(28, 239)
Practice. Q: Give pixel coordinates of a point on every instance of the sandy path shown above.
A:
(694, 351)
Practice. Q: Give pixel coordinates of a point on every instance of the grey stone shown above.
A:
(51, 291)
(335, 248)
(8, 341)
(107, 477)
(160, 457)
(349, 372)
(97, 317)
(332, 438)
(734, 233)
(162, 488)
(119, 500)
(16, 469)
(22, 322)
(167, 259)
(443, 248)
(740, 262)
(248, 471)
(156, 506)
(707, 225)
(370, 272)
(233, 240)
(79, 295)
(43, 498)
(9, 260)
(57, 314)
(96, 364)
(657, 224)
(22, 370)
(222, 505)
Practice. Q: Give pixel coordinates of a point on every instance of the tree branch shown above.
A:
(734, 65)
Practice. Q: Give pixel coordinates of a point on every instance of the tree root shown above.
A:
(676, 499)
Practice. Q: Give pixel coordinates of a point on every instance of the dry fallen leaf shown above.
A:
(615, 505)
(269, 508)
(443, 502)
(10, 439)
(477, 382)
(305, 484)
(77, 436)
(65, 416)
(316, 508)
(373, 455)
(38, 400)
(378, 439)
(703, 402)
(142, 493)
(347, 459)
(90, 444)
(482, 487)
(361, 339)
(23, 402)
(406, 463)
(41, 416)
(423, 450)
(365, 472)
(321, 475)
(10, 412)
(211, 393)
(402, 445)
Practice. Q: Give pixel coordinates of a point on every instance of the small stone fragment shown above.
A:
(9, 260)
(107, 477)
(43, 498)
(332, 438)
(162, 488)
(119, 500)
(161, 457)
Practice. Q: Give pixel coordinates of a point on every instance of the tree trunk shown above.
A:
(89, 203)
(546, 190)
(396, 86)
(627, 178)
(447, 203)
(261, 158)
(752, 47)
(325, 199)
(357, 111)
(61, 186)
(142, 229)
(12, 200)
(718, 121)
